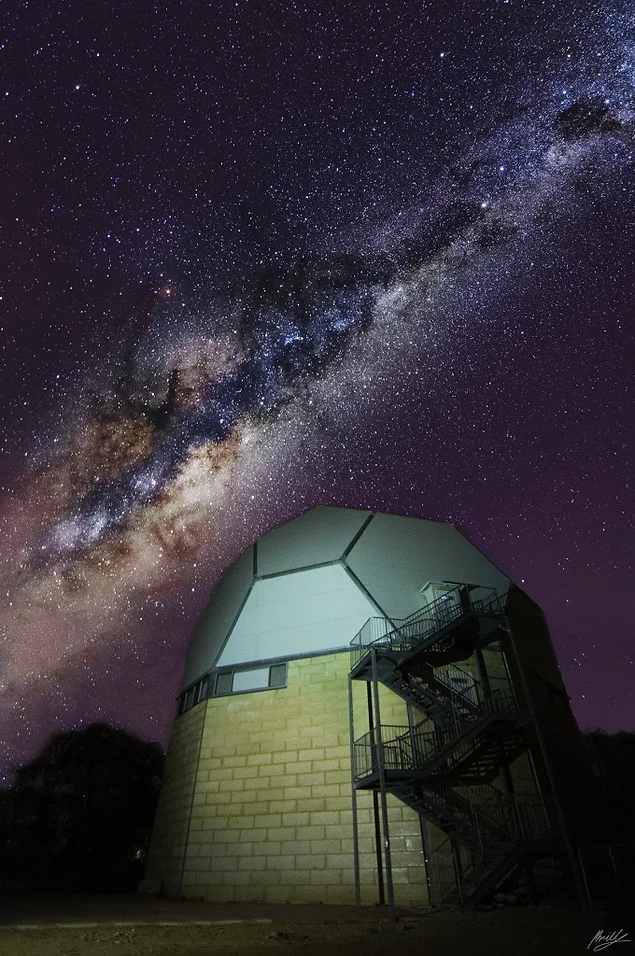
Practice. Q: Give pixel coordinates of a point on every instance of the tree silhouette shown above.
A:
(80, 815)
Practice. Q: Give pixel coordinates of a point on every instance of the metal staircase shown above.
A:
(447, 629)
(466, 752)
(443, 766)
(466, 881)
(483, 820)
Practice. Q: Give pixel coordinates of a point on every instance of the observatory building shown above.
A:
(370, 711)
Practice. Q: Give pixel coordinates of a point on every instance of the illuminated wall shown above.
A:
(256, 802)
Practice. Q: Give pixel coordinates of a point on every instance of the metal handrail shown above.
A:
(497, 694)
(407, 633)
(447, 883)
(536, 816)
(366, 755)
(493, 815)
(419, 744)
(526, 817)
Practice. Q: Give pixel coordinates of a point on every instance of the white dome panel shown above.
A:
(396, 556)
(302, 613)
(267, 606)
(318, 536)
(212, 630)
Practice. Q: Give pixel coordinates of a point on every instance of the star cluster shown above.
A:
(371, 255)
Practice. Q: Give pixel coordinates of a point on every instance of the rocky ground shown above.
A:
(504, 932)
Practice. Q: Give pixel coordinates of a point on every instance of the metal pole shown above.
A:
(483, 676)
(351, 727)
(583, 871)
(510, 793)
(423, 823)
(464, 599)
(458, 870)
(382, 788)
(380, 865)
(617, 876)
(194, 786)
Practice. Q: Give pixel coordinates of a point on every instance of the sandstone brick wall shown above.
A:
(270, 815)
(169, 836)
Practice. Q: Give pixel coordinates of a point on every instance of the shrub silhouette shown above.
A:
(80, 815)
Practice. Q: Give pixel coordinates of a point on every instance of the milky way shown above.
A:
(304, 317)
(224, 390)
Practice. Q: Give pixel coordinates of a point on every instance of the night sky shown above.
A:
(259, 256)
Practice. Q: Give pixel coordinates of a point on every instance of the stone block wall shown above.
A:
(270, 815)
(164, 869)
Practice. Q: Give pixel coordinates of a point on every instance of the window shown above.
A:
(201, 690)
(269, 677)
(193, 695)
(224, 683)
(278, 675)
(255, 679)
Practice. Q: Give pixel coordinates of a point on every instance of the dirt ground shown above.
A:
(505, 932)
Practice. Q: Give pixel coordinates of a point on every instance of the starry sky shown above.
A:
(259, 256)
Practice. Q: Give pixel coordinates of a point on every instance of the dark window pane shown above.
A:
(202, 690)
(224, 683)
(278, 675)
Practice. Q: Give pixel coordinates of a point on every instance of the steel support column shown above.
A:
(382, 787)
(351, 725)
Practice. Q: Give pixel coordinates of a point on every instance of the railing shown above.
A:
(461, 699)
(458, 870)
(609, 872)
(536, 816)
(397, 752)
(456, 873)
(374, 630)
(446, 876)
(499, 819)
(413, 747)
(425, 623)
(488, 812)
